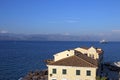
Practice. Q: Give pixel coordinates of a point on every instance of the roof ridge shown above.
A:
(62, 59)
(80, 55)
(85, 61)
(77, 57)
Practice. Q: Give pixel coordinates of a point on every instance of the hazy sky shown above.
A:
(71, 17)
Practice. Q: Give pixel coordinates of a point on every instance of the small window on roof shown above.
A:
(92, 56)
(67, 54)
(86, 54)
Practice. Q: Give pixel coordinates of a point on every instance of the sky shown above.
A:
(69, 17)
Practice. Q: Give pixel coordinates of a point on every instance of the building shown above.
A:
(95, 53)
(76, 64)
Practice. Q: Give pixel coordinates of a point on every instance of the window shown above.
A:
(54, 71)
(86, 54)
(67, 54)
(77, 72)
(88, 73)
(64, 71)
(91, 55)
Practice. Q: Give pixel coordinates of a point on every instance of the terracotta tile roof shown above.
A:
(86, 58)
(73, 61)
(85, 48)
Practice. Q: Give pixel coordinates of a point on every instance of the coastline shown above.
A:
(109, 71)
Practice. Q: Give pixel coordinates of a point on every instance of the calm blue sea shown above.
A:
(17, 58)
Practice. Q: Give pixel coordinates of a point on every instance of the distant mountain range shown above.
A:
(49, 37)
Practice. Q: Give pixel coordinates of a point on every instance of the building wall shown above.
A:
(91, 52)
(63, 54)
(84, 51)
(71, 73)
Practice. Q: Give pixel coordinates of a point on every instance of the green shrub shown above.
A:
(101, 78)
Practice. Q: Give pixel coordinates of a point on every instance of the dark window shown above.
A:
(92, 56)
(88, 73)
(64, 71)
(54, 71)
(77, 72)
(86, 54)
(67, 54)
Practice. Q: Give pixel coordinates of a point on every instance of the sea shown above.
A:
(17, 58)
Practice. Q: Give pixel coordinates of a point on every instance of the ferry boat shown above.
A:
(103, 41)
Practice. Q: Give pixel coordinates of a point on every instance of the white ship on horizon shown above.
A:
(103, 41)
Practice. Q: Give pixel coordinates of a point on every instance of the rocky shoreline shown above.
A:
(36, 75)
(111, 72)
